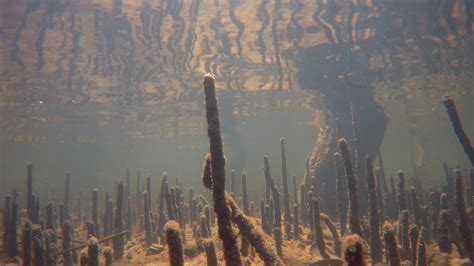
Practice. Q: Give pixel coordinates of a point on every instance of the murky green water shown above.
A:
(93, 87)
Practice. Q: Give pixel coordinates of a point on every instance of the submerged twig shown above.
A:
(458, 129)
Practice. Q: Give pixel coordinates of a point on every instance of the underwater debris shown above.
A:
(146, 216)
(93, 252)
(29, 191)
(303, 204)
(161, 208)
(259, 240)
(118, 241)
(232, 181)
(391, 246)
(353, 250)
(414, 236)
(27, 243)
(169, 201)
(374, 228)
(434, 213)
(341, 193)
(217, 167)
(284, 177)
(148, 188)
(39, 247)
(354, 220)
(277, 235)
(458, 128)
(67, 192)
(129, 218)
(421, 258)
(174, 242)
(464, 225)
(332, 227)
(444, 241)
(405, 240)
(318, 229)
(95, 212)
(210, 249)
(263, 217)
(380, 180)
(296, 223)
(204, 227)
(110, 218)
(108, 255)
(139, 205)
(12, 246)
(6, 221)
(244, 249)
(401, 196)
(416, 208)
(67, 238)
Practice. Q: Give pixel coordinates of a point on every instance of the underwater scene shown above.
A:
(236, 132)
